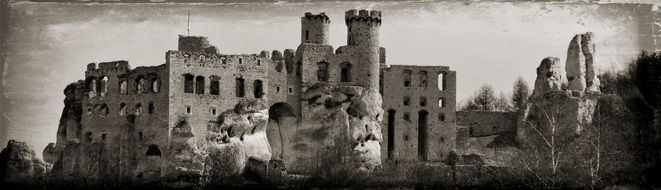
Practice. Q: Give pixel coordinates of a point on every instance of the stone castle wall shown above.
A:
(479, 124)
(409, 92)
(126, 124)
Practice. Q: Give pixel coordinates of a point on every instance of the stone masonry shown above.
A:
(165, 122)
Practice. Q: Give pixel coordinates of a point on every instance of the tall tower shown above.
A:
(363, 37)
(314, 28)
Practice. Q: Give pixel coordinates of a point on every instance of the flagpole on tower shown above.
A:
(188, 24)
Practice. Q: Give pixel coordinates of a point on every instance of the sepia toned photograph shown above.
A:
(321, 94)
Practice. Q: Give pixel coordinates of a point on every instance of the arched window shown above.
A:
(407, 116)
(138, 109)
(123, 87)
(423, 78)
(90, 109)
(441, 117)
(240, 60)
(103, 110)
(441, 81)
(90, 86)
(258, 89)
(407, 100)
(153, 150)
(215, 85)
(423, 101)
(122, 109)
(199, 85)
(345, 72)
(189, 83)
(155, 85)
(407, 78)
(103, 90)
(140, 84)
(441, 102)
(307, 35)
(322, 71)
(150, 108)
(239, 85)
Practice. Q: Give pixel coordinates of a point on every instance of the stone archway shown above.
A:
(282, 118)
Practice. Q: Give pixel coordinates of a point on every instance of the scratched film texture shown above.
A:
(49, 44)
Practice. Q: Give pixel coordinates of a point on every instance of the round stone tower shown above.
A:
(314, 28)
(363, 36)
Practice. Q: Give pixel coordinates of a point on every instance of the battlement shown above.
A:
(108, 67)
(321, 16)
(363, 15)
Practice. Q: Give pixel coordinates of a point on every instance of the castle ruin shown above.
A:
(126, 124)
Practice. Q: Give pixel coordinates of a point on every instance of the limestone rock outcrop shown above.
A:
(341, 130)
(567, 111)
(237, 135)
(65, 153)
(549, 76)
(19, 164)
(581, 65)
(186, 162)
(50, 153)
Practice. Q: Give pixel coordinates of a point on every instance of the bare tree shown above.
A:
(502, 103)
(548, 133)
(483, 100)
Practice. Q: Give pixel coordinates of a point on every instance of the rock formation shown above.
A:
(236, 136)
(186, 160)
(581, 65)
(67, 146)
(341, 130)
(568, 111)
(549, 77)
(20, 165)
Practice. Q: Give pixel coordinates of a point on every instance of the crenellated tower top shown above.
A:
(314, 28)
(363, 27)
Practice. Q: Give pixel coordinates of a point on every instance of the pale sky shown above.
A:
(486, 43)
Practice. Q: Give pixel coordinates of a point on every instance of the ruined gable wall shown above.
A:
(441, 134)
(109, 140)
(278, 79)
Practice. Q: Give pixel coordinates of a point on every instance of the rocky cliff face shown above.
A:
(236, 136)
(65, 153)
(340, 130)
(19, 164)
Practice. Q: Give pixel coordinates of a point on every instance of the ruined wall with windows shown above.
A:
(124, 112)
(202, 85)
(419, 119)
(140, 123)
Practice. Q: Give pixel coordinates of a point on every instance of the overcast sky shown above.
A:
(486, 43)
